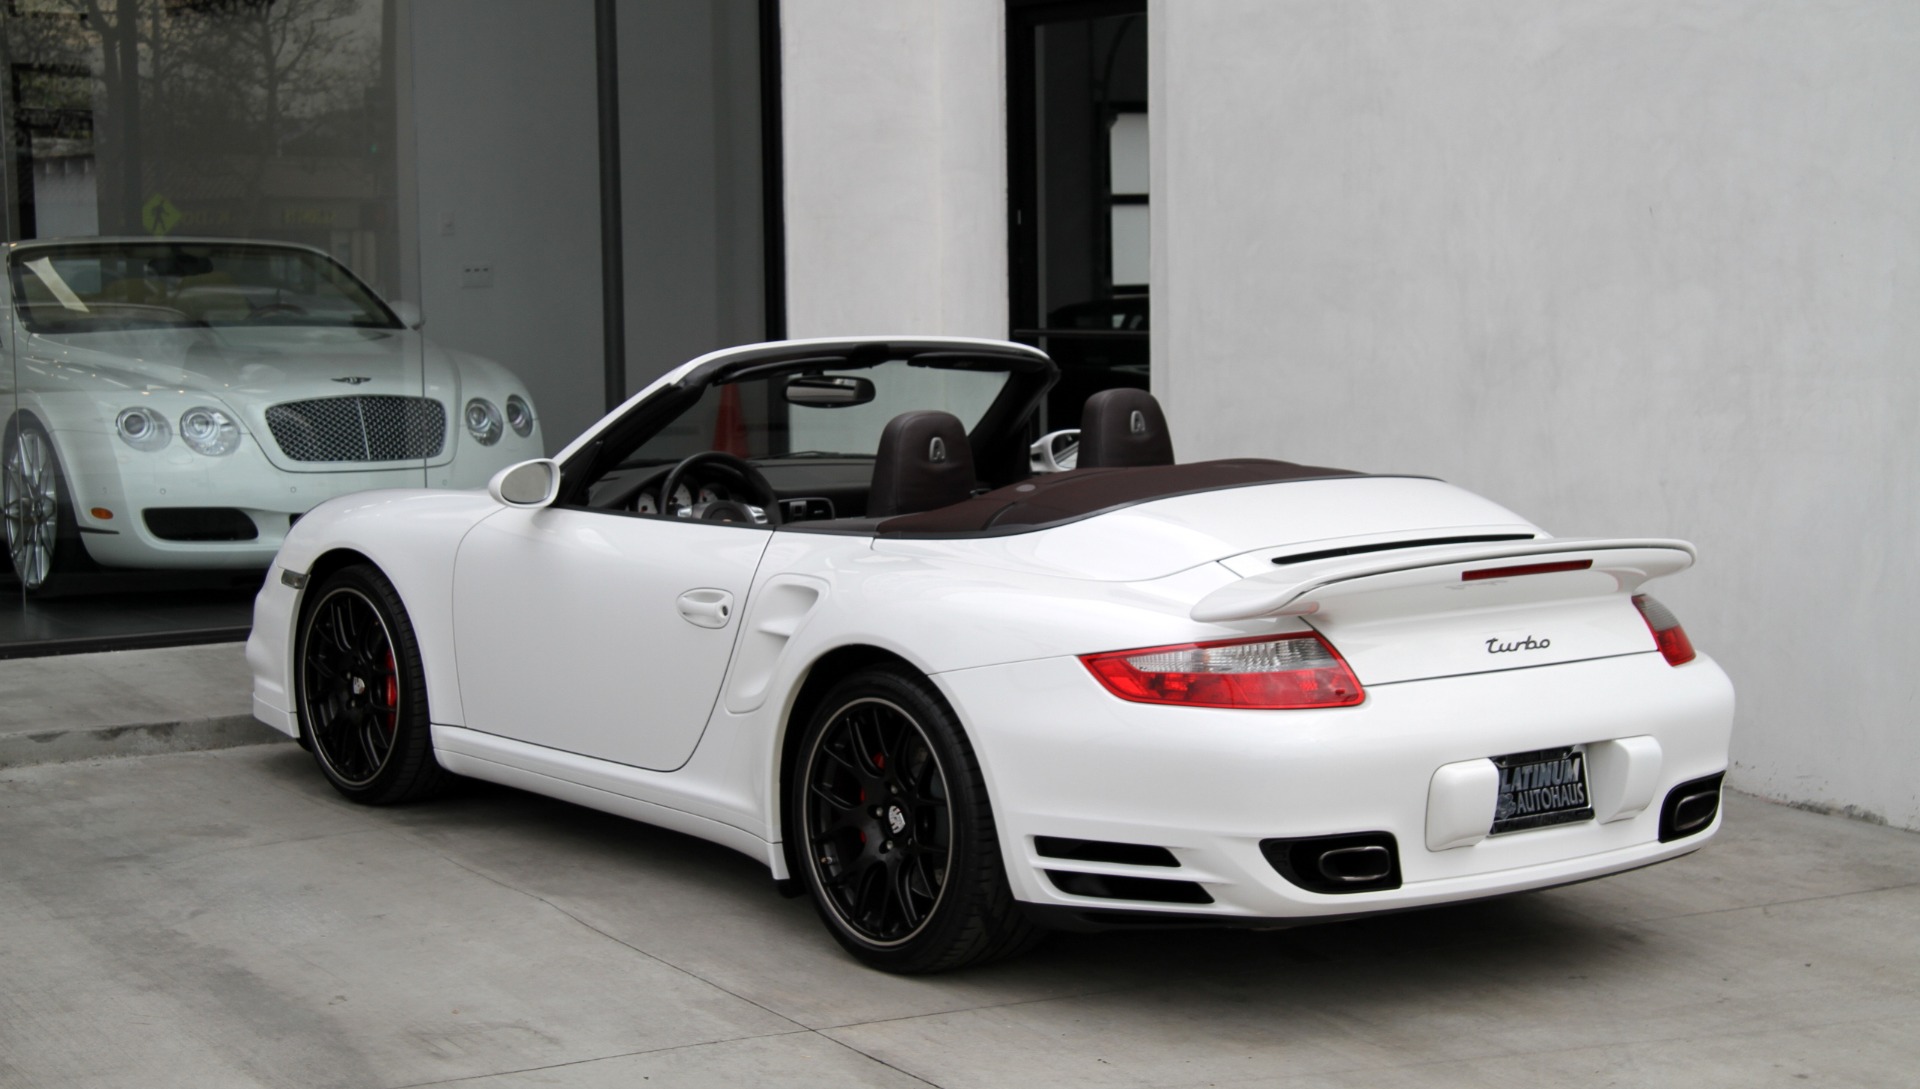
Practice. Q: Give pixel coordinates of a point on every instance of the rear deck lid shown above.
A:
(1158, 537)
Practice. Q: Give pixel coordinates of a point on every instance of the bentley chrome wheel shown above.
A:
(879, 834)
(350, 686)
(32, 505)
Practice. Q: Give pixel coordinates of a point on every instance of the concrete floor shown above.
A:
(223, 919)
(126, 703)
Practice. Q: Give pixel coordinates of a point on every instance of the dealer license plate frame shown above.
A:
(1543, 788)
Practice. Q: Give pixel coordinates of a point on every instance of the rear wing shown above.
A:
(1307, 588)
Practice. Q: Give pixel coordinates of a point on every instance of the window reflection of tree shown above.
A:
(232, 105)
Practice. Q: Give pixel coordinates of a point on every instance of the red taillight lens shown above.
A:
(1300, 670)
(1675, 647)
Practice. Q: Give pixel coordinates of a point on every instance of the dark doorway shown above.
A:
(1078, 193)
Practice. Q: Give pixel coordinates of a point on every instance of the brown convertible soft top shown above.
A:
(1080, 493)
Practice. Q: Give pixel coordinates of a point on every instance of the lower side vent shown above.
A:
(1156, 890)
(1094, 850)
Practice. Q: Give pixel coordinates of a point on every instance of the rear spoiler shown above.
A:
(1298, 590)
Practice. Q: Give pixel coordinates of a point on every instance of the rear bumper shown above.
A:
(1065, 760)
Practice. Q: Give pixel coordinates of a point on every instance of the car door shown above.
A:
(602, 633)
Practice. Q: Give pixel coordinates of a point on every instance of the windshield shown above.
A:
(91, 287)
(753, 419)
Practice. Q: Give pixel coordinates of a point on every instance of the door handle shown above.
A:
(706, 608)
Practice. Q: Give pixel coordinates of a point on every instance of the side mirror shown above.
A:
(529, 485)
(408, 313)
(1056, 451)
(829, 390)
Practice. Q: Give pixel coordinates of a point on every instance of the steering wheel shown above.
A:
(756, 482)
(270, 309)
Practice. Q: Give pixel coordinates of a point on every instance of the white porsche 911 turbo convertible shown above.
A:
(178, 403)
(809, 601)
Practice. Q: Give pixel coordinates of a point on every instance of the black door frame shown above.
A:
(1027, 324)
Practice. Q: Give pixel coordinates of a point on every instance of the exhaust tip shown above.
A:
(1356, 865)
(1359, 862)
(1690, 807)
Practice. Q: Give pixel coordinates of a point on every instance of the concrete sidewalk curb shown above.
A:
(140, 739)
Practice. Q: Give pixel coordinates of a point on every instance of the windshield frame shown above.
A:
(114, 315)
(998, 438)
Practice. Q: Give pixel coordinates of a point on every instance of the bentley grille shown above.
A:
(374, 427)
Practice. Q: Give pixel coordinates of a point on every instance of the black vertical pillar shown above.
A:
(613, 294)
(773, 216)
(133, 178)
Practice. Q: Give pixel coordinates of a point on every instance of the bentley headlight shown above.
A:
(483, 421)
(209, 431)
(519, 415)
(143, 428)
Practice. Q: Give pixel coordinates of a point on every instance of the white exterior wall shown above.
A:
(1630, 268)
(895, 167)
(1633, 268)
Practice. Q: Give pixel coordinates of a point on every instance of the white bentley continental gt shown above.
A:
(178, 403)
(809, 601)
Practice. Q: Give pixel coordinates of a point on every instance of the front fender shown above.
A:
(411, 535)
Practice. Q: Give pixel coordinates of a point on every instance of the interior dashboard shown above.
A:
(807, 490)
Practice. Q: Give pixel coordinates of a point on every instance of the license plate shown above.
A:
(1541, 788)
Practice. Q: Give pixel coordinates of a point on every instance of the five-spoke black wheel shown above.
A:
(895, 837)
(362, 694)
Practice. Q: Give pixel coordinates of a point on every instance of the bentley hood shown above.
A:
(319, 399)
(266, 363)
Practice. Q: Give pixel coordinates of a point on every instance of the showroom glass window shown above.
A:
(202, 208)
(1078, 193)
(266, 252)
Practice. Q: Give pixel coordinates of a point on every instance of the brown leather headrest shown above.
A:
(924, 462)
(1122, 427)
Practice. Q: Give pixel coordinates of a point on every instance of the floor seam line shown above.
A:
(976, 1009)
(596, 1059)
(870, 1057)
(1776, 903)
(656, 958)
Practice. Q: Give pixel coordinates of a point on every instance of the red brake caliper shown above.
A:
(393, 693)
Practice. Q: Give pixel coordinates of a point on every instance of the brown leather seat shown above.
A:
(1122, 427)
(924, 462)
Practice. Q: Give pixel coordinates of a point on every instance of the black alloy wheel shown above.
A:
(362, 693)
(896, 839)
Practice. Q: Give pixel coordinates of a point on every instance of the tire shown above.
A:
(914, 882)
(362, 694)
(43, 538)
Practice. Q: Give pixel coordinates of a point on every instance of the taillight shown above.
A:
(1675, 647)
(1298, 670)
